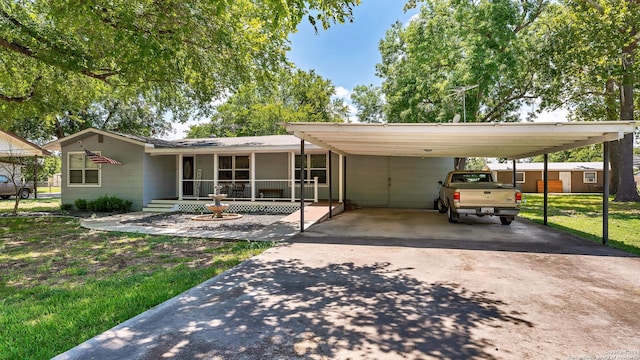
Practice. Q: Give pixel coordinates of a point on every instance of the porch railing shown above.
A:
(257, 190)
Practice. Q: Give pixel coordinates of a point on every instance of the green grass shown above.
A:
(47, 189)
(582, 215)
(61, 284)
(6, 206)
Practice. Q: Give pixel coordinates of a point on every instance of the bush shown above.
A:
(109, 204)
(65, 207)
(81, 204)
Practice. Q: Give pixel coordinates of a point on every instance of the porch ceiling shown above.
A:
(507, 140)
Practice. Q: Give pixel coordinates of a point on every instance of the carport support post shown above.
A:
(605, 194)
(302, 170)
(330, 187)
(514, 173)
(546, 187)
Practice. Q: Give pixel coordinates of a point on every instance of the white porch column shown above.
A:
(315, 189)
(292, 161)
(216, 163)
(340, 178)
(180, 171)
(252, 171)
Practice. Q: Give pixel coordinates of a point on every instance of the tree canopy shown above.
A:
(369, 103)
(460, 57)
(179, 56)
(253, 110)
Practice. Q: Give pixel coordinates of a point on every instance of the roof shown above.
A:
(12, 145)
(553, 166)
(159, 146)
(506, 140)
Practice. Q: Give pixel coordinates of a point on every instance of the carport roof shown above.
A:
(506, 140)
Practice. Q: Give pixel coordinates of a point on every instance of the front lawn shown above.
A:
(582, 215)
(61, 284)
(30, 205)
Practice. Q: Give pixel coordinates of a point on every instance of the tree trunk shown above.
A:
(627, 190)
(612, 114)
(460, 163)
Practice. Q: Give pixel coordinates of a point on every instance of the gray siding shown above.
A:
(124, 181)
(272, 166)
(403, 182)
(160, 174)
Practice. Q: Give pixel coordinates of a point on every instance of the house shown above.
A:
(568, 177)
(259, 171)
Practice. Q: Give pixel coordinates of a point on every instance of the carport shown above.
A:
(14, 146)
(501, 140)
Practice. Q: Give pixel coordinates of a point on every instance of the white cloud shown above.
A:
(342, 92)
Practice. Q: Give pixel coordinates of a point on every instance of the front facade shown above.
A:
(251, 169)
(570, 177)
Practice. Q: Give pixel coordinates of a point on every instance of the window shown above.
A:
(520, 177)
(317, 166)
(590, 177)
(233, 168)
(82, 171)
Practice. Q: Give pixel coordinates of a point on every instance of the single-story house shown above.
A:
(258, 170)
(565, 177)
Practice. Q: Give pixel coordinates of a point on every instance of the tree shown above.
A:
(460, 57)
(59, 56)
(587, 56)
(369, 103)
(253, 110)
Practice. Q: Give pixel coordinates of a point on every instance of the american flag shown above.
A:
(99, 159)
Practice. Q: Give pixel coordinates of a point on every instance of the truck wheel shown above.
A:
(24, 194)
(441, 207)
(506, 220)
(453, 217)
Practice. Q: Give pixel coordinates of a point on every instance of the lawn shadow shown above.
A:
(286, 310)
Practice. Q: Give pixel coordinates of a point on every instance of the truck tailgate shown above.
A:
(497, 197)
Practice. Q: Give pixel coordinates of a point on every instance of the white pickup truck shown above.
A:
(476, 193)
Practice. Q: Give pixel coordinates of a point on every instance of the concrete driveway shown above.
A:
(401, 284)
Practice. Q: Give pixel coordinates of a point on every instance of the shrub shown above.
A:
(109, 204)
(81, 204)
(65, 207)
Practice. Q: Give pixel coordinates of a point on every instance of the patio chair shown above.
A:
(237, 190)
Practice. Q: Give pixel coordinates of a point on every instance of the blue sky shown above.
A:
(348, 53)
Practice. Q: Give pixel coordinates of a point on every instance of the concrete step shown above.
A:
(157, 210)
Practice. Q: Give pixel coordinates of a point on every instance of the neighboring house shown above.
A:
(569, 177)
(254, 170)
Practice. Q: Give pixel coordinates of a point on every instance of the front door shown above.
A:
(187, 175)
(565, 177)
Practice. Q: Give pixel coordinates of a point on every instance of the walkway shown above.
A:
(278, 231)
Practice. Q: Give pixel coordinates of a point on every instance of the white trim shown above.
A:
(84, 160)
(252, 175)
(595, 177)
(341, 178)
(524, 177)
(57, 144)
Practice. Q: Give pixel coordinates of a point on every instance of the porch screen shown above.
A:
(233, 168)
(317, 167)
